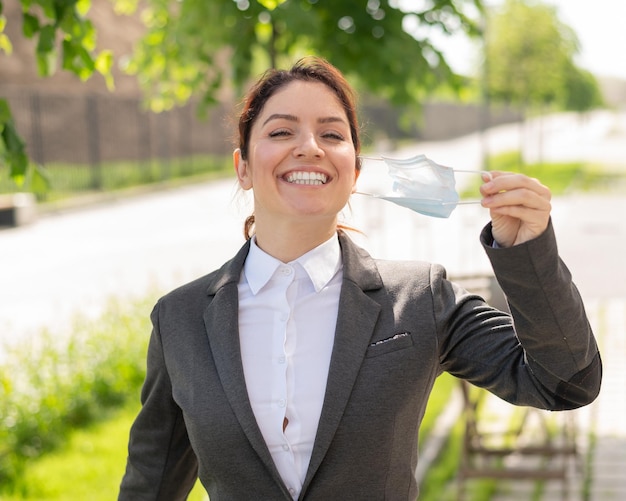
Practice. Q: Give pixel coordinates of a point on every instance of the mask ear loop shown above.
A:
(469, 202)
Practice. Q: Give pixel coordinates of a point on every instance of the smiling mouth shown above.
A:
(310, 178)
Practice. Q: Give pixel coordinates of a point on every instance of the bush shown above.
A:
(54, 383)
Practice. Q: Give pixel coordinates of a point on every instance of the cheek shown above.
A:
(265, 157)
(349, 165)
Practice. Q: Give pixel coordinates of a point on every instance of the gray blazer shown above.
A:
(400, 325)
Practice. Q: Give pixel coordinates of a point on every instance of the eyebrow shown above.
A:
(293, 118)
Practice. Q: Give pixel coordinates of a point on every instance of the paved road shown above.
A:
(74, 261)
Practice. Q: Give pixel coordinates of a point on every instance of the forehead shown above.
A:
(304, 98)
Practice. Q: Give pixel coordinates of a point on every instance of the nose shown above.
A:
(308, 146)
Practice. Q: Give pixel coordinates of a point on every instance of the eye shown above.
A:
(332, 135)
(280, 133)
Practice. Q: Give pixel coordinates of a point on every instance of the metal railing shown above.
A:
(96, 130)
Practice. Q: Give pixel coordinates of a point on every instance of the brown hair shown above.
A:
(308, 69)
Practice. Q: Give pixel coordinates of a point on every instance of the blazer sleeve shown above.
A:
(161, 464)
(545, 355)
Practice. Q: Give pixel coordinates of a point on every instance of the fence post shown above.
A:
(35, 128)
(144, 143)
(93, 142)
(163, 145)
(185, 142)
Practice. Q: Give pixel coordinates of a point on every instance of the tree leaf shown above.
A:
(125, 7)
(46, 63)
(40, 180)
(82, 7)
(271, 4)
(45, 43)
(5, 112)
(50, 8)
(104, 65)
(5, 44)
(69, 54)
(14, 149)
(30, 25)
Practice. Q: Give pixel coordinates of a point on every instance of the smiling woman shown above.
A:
(302, 367)
(300, 162)
(279, 125)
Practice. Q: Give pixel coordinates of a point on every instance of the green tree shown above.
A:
(582, 92)
(528, 51)
(63, 34)
(202, 48)
(194, 47)
(528, 57)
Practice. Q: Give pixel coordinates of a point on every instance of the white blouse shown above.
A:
(287, 319)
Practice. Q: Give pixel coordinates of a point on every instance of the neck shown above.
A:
(288, 242)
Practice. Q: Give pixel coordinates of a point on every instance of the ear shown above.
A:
(357, 172)
(241, 169)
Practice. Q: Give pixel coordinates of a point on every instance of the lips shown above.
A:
(308, 178)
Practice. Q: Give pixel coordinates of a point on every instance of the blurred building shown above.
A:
(64, 119)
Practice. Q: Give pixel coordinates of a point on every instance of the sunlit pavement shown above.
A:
(72, 261)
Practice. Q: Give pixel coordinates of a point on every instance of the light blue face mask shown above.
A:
(421, 185)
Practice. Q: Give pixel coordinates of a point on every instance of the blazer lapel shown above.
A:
(221, 321)
(357, 316)
(356, 319)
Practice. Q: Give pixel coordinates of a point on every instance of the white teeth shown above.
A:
(315, 178)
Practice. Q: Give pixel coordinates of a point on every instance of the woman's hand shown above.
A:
(519, 207)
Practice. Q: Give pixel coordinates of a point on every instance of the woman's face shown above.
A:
(301, 160)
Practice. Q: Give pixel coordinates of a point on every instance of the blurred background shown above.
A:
(116, 133)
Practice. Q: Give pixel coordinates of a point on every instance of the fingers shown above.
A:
(519, 207)
(508, 190)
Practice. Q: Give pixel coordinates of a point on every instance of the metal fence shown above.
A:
(96, 130)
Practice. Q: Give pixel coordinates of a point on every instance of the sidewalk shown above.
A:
(607, 422)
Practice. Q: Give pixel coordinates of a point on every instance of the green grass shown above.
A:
(90, 465)
(71, 180)
(91, 462)
(60, 382)
(561, 177)
(437, 401)
(67, 403)
(440, 481)
(88, 462)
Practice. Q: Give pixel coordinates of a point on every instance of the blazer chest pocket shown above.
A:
(393, 343)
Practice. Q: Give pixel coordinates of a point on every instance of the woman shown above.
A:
(301, 369)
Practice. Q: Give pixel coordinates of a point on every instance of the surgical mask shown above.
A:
(419, 184)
